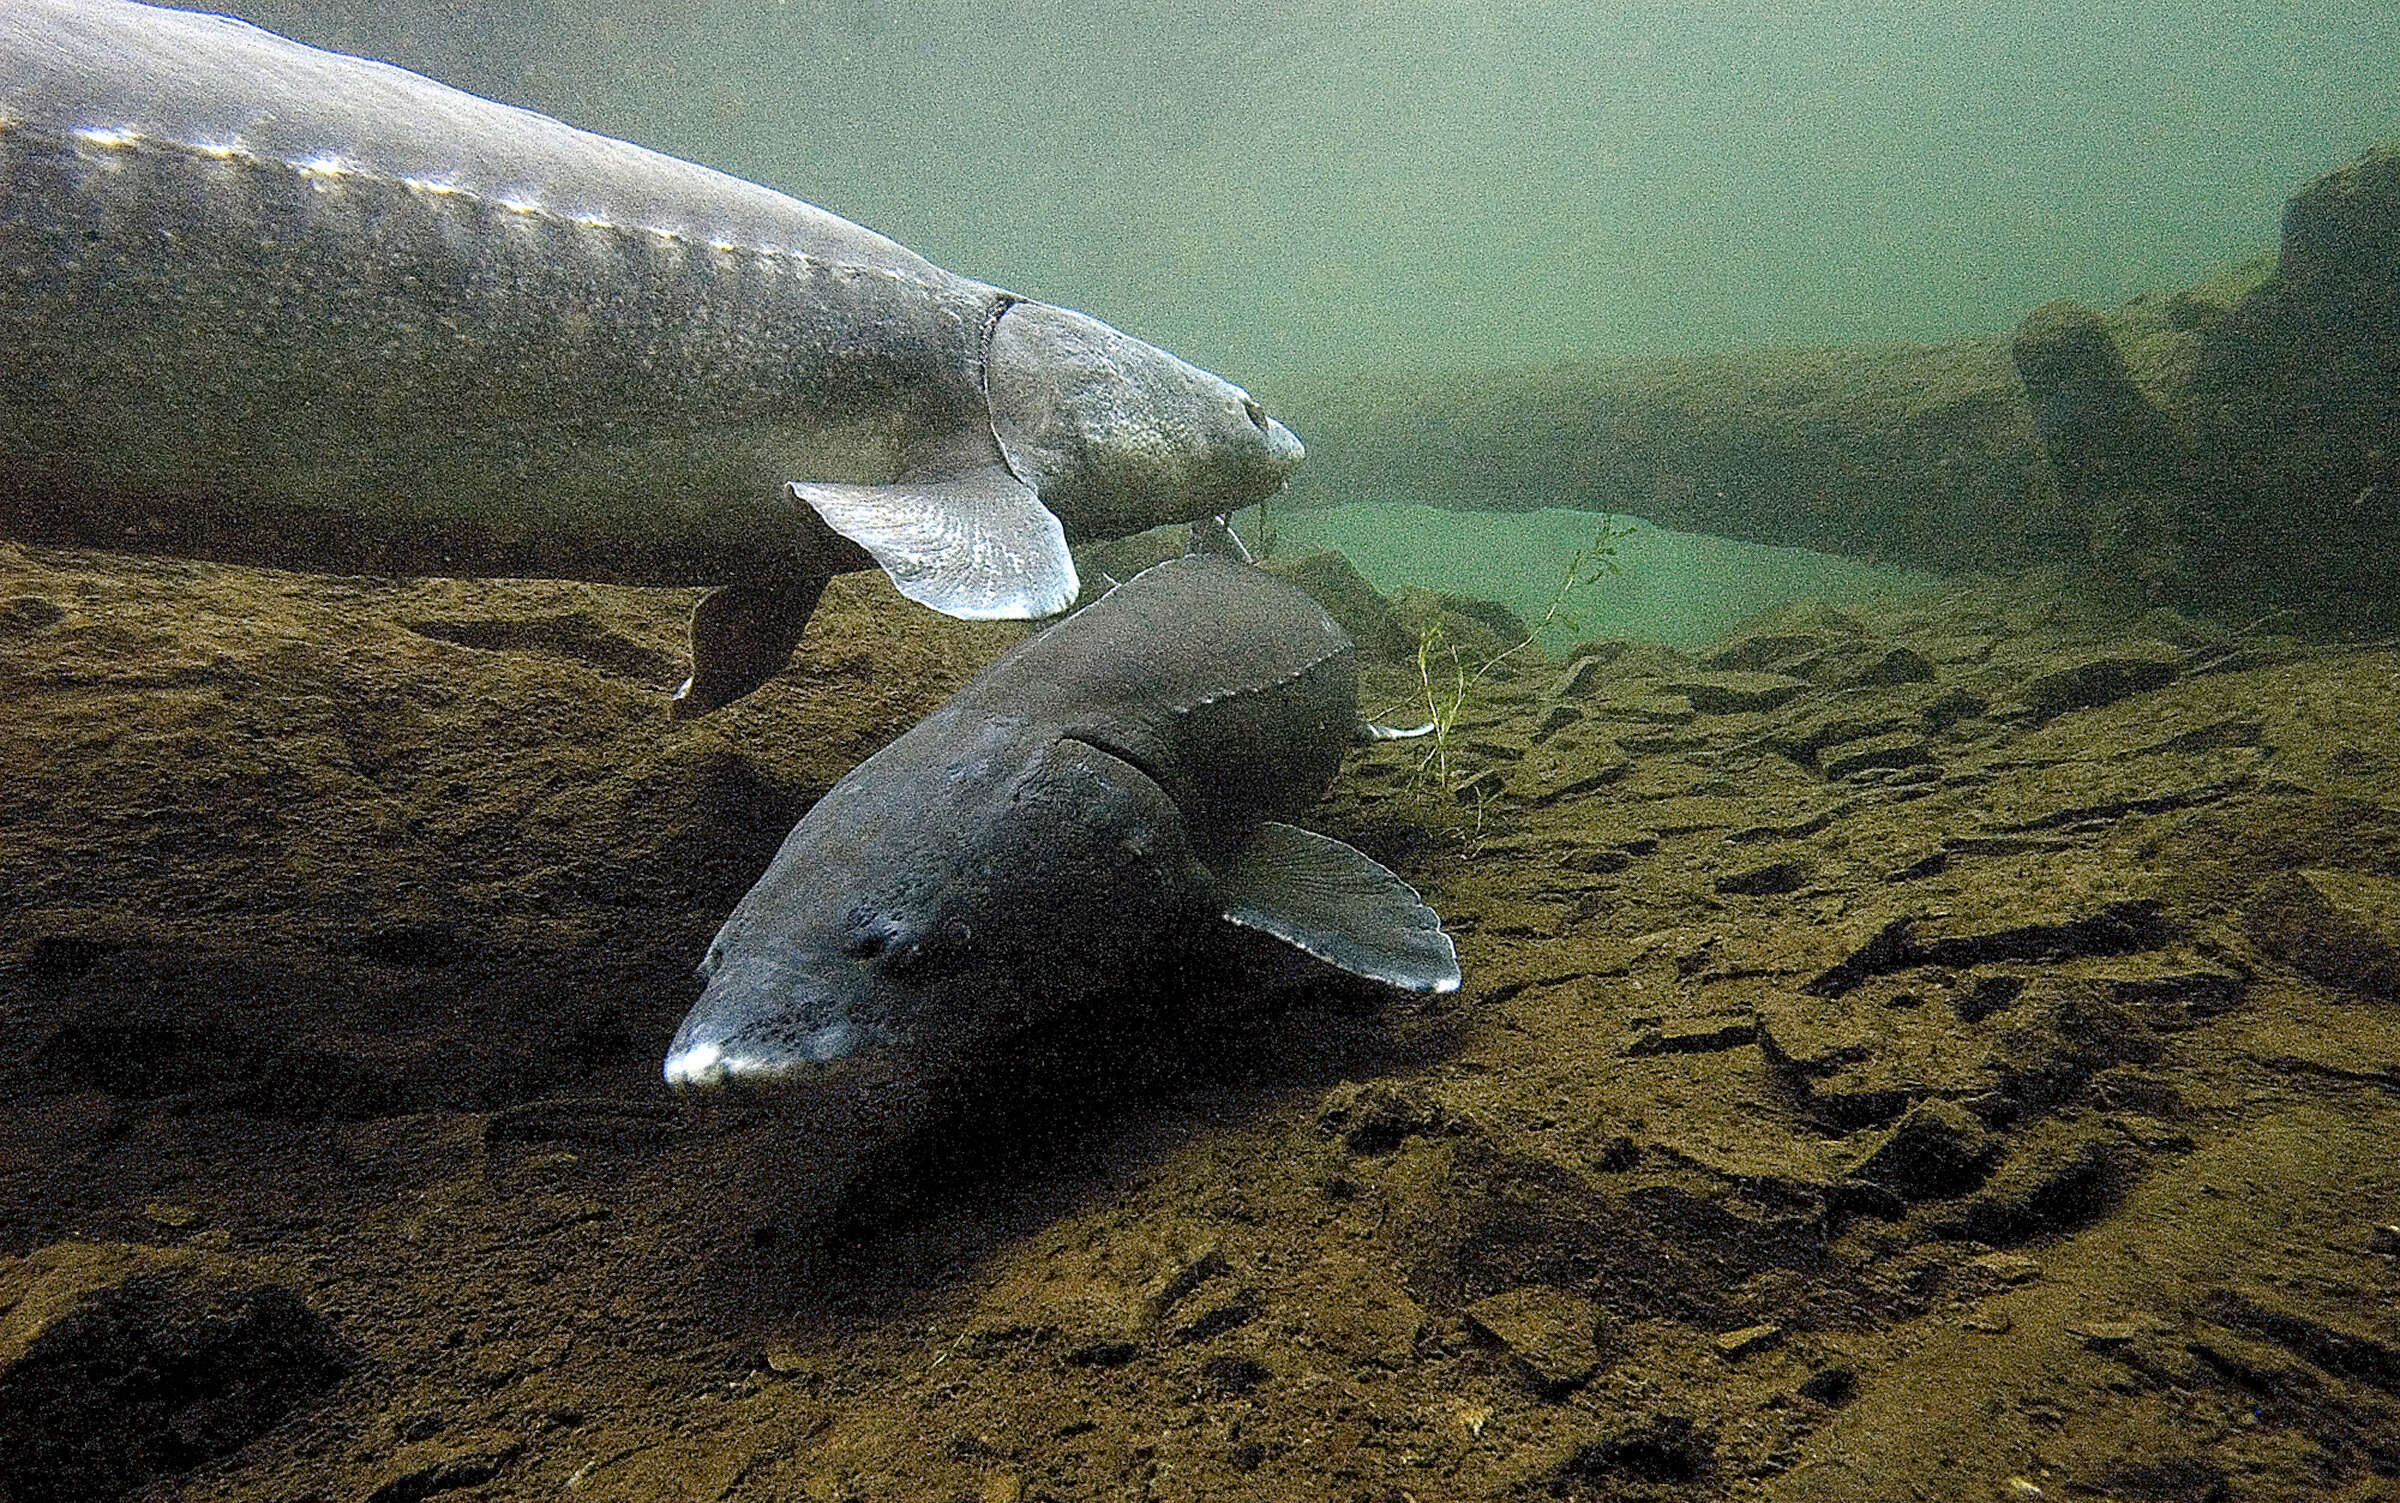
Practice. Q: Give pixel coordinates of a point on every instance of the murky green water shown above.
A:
(1682, 588)
(1287, 191)
(1277, 188)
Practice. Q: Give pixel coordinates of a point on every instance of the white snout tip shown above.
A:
(701, 1064)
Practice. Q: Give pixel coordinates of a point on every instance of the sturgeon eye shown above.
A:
(1258, 414)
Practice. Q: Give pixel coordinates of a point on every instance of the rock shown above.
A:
(2343, 230)
(1552, 1333)
(2177, 997)
(1733, 1346)
(1936, 1151)
(2101, 681)
(2293, 387)
(1858, 1065)
(416, 1478)
(2099, 432)
(2085, 1027)
(1831, 1386)
(1762, 881)
(1503, 622)
(2360, 1356)
(2045, 1188)
(120, 1364)
(1582, 678)
(2117, 928)
(1801, 738)
(1380, 1115)
(2342, 927)
(1572, 763)
(1751, 653)
(1657, 709)
(2009, 1267)
(1607, 650)
(1479, 630)
(1881, 667)
(1731, 693)
(23, 615)
(1947, 709)
(2105, 1335)
(1794, 629)
(1899, 749)
(1666, 1448)
(1555, 719)
(1483, 785)
(1697, 1033)
(1222, 1310)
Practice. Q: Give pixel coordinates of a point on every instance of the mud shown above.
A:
(1946, 1053)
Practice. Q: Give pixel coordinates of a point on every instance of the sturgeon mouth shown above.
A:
(706, 1057)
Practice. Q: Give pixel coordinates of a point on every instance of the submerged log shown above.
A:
(2233, 445)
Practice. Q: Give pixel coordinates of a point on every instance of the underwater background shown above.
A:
(1285, 188)
(1297, 193)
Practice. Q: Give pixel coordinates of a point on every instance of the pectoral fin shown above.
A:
(742, 635)
(976, 543)
(1322, 896)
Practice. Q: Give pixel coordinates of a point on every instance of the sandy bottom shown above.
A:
(1943, 1051)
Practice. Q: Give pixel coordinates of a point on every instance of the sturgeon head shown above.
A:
(963, 883)
(1087, 433)
(1116, 435)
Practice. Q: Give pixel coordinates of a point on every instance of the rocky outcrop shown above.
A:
(2117, 464)
(2296, 402)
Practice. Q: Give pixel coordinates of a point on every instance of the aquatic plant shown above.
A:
(1439, 776)
(1268, 534)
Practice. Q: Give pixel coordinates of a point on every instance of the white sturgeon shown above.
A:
(1090, 803)
(273, 304)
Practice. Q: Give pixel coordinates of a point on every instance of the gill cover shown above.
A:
(1117, 435)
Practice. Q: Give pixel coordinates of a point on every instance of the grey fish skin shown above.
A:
(1091, 800)
(268, 303)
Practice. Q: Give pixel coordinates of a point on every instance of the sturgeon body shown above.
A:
(269, 303)
(1093, 799)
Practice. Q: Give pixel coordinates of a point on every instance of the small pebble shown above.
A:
(2106, 1335)
(2013, 1267)
(1735, 1345)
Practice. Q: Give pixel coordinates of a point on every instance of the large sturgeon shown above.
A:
(1092, 800)
(264, 302)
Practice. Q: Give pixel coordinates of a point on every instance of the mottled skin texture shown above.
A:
(1042, 835)
(264, 302)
